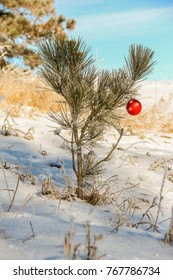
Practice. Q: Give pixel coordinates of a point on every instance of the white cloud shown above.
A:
(119, 21)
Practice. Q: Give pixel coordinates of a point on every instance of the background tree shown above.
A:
(23, 22)
(90, 98)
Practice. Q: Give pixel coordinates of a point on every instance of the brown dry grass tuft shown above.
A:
(20, 89)
(72, 251)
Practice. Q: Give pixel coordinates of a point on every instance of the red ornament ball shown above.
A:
(134, 107)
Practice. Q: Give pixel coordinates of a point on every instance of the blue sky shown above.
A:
(109, 27)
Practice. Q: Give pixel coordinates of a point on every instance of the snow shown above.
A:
(36, 225)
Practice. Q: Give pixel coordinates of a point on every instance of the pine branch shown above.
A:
(139, 63)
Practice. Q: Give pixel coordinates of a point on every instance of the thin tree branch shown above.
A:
(111, 151)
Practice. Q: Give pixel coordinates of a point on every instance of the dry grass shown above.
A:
(155, 118)
(10, 128)
(20, 89)
(90, 248)
(49, 189)
(169, 235)
(139, 212)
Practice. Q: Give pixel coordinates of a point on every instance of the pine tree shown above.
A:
(23, 22)
(91, 98)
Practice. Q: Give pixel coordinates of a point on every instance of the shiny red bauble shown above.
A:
(134, 107)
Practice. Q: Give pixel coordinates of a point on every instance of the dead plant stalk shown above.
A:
(12, 200)
(160, 196)
(5, 178)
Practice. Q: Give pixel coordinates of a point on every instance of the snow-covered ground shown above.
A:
(35, 226)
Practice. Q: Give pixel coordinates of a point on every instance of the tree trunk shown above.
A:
(79, 168)
(80, 193)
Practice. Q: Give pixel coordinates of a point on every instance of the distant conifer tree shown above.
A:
(22, 23)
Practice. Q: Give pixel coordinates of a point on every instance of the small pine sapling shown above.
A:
(91, 98)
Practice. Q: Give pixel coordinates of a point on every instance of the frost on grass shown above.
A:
(48, 188)
(10, 128)
(129, 206)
